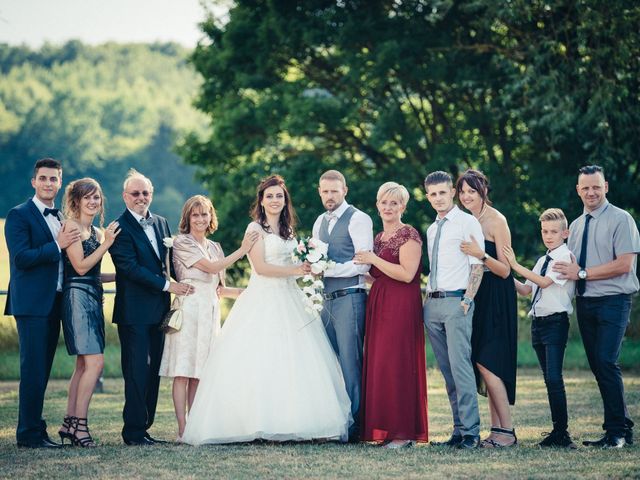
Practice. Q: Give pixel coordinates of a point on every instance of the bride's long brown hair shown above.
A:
(287, 220)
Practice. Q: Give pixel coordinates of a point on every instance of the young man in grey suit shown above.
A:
(448, 309)
(347, 230)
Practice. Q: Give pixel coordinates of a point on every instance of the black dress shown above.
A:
(494, 341)
(82, 315)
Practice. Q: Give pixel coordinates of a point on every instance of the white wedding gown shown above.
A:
(271, 373)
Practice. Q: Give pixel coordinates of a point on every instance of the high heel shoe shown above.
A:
(491, 443)
(67, 422)
(80, 425)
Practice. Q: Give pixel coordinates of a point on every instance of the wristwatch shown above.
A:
(582, 274)
(485, 257)
(467, 300)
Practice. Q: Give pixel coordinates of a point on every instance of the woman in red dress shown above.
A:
(394, 377)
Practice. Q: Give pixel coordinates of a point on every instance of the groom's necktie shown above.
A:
(536, 296)
(331, 218)
(433, 275)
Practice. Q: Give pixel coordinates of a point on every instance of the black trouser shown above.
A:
(549, 339)
(38, 338)
(603, 321)
(141, 352)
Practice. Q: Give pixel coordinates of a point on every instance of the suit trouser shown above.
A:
(38, 338)
(449, 332)
(141, 352)
(603, 322)
(344, 320)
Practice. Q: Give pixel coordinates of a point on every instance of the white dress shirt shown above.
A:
(556, 298)
(454, 267)
(151, 235)
(361, 231)
(54, 226)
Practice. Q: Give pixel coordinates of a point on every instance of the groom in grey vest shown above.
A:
(347, 230)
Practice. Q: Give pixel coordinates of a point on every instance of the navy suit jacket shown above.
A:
(139, 272)
(34, 259)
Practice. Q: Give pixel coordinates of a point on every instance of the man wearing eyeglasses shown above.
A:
(142, 300)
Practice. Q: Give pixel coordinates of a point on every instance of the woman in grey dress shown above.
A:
(82, 315)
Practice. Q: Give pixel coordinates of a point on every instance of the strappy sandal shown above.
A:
(80, 425)
(491, 443)
(67, 423)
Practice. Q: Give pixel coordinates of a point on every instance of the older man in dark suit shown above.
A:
(35, 238)
(142, 299)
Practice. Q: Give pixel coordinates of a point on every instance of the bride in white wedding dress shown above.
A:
(271, 373)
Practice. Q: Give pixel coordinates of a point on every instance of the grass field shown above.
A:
(114, 460)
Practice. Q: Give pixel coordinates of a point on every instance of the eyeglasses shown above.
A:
(136, 194)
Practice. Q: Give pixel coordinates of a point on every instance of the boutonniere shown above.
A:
(168, 243)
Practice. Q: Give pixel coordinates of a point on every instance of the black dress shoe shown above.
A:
(142, 442)
(468, 442)
(44, 443)
(154, 440)
(628, 436)
(452, 442)
(595, 443)
(607, 441)
(614, 441)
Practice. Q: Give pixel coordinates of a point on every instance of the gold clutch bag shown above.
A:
(172, 321)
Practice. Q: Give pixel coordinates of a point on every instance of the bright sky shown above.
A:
(97, 21)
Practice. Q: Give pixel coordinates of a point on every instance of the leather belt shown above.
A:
(445, 294)
(553, 316)
(342, 293)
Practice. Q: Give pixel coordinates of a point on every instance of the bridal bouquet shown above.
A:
(313, 251)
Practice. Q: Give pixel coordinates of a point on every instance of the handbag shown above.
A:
(172, 321)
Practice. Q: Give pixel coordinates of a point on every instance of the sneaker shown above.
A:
(558, 439)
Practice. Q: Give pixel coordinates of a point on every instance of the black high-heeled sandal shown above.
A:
(81, 425)
(67, 422)
(491, 443)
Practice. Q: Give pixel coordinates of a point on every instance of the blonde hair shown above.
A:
(554, 214)
(198, 201)
(75, 192)
(395, 191)
(133, 174)
(333, 175)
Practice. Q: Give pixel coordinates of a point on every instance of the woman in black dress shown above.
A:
(82, 315)
(495, 323)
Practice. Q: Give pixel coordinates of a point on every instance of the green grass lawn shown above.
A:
(114, 460)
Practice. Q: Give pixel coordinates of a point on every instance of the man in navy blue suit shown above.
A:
(142, 299)
(35, 237)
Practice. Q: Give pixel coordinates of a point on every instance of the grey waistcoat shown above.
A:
(341, 249)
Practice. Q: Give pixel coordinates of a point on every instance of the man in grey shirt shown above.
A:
(606, 243)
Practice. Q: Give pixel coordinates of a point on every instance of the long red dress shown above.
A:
(394, 377)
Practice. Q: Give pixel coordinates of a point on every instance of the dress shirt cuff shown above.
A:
(167, 284)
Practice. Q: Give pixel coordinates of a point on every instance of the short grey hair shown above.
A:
(395, 191)
(133, 174)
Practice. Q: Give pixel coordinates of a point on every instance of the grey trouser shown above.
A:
(449, 332)
(343, 319)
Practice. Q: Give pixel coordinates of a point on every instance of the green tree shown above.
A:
(388, 90)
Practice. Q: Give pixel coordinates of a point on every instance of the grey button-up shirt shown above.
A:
(612, 232)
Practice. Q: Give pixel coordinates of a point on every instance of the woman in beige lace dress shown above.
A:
(200, 262)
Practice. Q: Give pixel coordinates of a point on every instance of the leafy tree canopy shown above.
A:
(526, 91)
(100, 110)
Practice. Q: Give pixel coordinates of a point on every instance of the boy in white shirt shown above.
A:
(550, 309)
